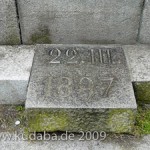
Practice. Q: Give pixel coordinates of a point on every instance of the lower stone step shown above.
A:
(15, 67)
(80, 88)
(139, 66)
(16, 63)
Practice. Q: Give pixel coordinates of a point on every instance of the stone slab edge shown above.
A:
(137, 57)
(15, 67)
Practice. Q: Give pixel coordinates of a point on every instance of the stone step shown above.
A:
(12, 135)
(80, 87)
(139, 65)
(16, 62)
(15, 66)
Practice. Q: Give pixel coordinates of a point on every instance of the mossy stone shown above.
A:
(76, 120)
(42, 36)
(142, 92)
(143, 120)
(12, 39)
(122, 120)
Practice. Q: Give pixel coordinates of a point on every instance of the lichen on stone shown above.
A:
(41, 36)
(75, 120)
(121, 120)
(12, 39)
(47, 121)
(142, 92)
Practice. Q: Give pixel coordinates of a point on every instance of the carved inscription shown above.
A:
(79, 76)
(63, 87)
(102, 56)
(86, 88)
(72, 58)
(58, 53)
(70, 53)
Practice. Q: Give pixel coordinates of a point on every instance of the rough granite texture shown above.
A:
(80, 22)
(9, 30)
(15, 66)
(78, 79)
(144, 36)
(80, 91)
(139, 66)
(138, 61)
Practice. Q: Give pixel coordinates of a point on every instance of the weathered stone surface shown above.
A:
(15, 66)
(139, 64)
(9, 30)
(144, 36)
(76, 120)
(12, 136)
(80, 87)
(80, 22)
(137, 58)
(138, 61)
(120, 142)
(9, 114)
(16, 138)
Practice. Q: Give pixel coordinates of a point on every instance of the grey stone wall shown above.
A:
(9, 30)
(80, 21)
(145, 24)
(74, 22)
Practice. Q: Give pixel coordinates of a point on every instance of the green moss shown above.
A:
(75, 120)
(142, 92)
(121, 120)
(12, 39)
(42, 36)
(47, 121)
(143, 121)
(20, 108)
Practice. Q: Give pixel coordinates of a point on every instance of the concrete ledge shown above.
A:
(138, 58)
(15, 67)
(16, 62)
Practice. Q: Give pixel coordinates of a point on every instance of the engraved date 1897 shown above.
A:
(85, 87)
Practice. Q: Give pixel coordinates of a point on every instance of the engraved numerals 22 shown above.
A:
(102, 56)
(56, 53)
